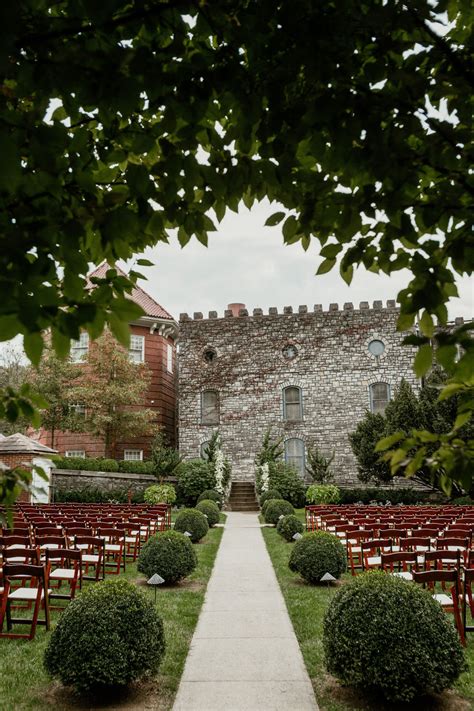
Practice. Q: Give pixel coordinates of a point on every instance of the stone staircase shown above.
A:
(242, 496)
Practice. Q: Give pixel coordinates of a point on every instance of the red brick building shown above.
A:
(153, 341)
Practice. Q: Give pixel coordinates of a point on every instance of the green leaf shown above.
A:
(326, 266)
(33, 345)
(347, 273)
(449, 390)
(462, 419)
(426, 324)
(145, 263)
(290, 227)
(9, 327)
(120, 329)
(60, 342)
(330, 251)
(423, 360)
(405, 322)
(387, 442)
(274, 219)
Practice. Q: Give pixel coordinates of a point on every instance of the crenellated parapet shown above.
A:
(302, 310)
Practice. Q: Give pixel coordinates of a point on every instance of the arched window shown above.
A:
(379, 397)
(209, 407)
(295, 455)
(203, 452)
(292, 404)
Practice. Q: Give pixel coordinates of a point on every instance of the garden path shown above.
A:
(244, 654)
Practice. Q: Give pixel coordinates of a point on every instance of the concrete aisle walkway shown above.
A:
(244, 655)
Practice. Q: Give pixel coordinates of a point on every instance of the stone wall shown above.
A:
(70, 479)
(333, 367)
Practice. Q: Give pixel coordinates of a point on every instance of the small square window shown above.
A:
(77, 453)
(78, 409)
(133, 455)
(136, 352)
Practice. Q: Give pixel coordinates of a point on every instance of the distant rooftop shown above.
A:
(20, 444)
(138, 296)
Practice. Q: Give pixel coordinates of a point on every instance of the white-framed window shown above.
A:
(203, 451)
(292, 404)
(80, 348)
(133, 455)
(78, 409)
(379, 395)
(136, 352)
(169, 358)
(295, 454)
(77, 453)
(209, 407)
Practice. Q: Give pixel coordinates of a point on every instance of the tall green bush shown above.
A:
(194, 476)
(322, 494)
(109, 636)
(160, 494)
(384, 634)
(288, 482)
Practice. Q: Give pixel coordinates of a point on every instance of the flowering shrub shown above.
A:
(220, 465)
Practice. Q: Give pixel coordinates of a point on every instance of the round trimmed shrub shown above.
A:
(288, 526)
(168, 553)
(107, 637)
(210, 509)
(211, 495)
(160, 494)
(274, 508)
(391, 636)
(192, 521)
(269, 494)
(318, 553)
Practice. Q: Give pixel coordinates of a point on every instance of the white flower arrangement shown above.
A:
(264, 476)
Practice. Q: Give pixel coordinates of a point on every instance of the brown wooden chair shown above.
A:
(36, 594)
(400, 563)
(68, 570)
(93, 555)
(449, 603)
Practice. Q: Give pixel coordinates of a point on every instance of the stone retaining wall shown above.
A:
(70, 479)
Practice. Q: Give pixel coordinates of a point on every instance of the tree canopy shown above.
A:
(124, 119)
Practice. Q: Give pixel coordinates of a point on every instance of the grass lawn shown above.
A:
(25, 685)
(306, 605)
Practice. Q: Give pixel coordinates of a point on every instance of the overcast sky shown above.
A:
(248, 262)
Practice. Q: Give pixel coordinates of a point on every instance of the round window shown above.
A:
(290, 352)
(209, 355)
(376, 348)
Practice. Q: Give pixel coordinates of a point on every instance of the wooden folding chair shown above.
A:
(400, 563)
(448, 603)
(37, 593)
(467, 600)
(372, 552)
(93, 555)
(69, 571)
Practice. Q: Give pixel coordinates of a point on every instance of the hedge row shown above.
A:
(101, 464)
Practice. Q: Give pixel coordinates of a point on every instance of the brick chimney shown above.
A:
(235, 308)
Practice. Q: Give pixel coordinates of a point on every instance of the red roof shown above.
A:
(150, 306)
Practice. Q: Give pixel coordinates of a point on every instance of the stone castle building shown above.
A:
(309, 375)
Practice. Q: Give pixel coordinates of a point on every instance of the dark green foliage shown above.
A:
(363, 441)
(386, 635)
(266, 503)
(109, 636)
(319, 465)
(274, 508)
(93, 495)
(210, 509)
(145, 467)
(89, 464)
(165, 460)
(194, 477)
(318, 553)
(322, 494)
(288, 526)
(285, 479)
(168, 553)
(192, 521)
(462, 501)
(395, 496)
(269, 494)
(211, 494)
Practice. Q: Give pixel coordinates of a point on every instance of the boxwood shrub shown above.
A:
(90, 464)
(269, 494)
(211, 495)
(285, 479)
(192, 521)
(274, 508)
(134, 467)
(318, 553)
(109, 636)
(168, 553)
(390, 636)
(210, 509)
(91, 494)
(288, 526)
